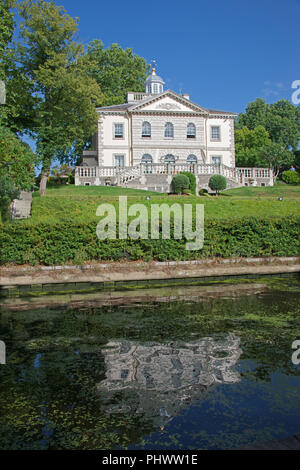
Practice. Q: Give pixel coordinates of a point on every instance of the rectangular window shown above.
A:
(215, 133)
(119, 160)
(216, 160)
(119, 132)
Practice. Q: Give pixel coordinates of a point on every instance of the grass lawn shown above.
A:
(79, 203)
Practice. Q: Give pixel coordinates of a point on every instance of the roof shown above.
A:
(138, 104)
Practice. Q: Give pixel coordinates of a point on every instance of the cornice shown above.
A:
(166, 113)
(172, 95)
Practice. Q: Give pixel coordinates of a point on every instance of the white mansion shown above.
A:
(157, 134)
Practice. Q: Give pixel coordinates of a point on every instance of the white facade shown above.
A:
(128, 132)
(166, 132)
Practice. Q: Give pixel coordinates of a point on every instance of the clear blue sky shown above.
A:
(224, 53)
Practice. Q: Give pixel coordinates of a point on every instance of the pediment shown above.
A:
(168, 102)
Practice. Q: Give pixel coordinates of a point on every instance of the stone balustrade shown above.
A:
(120, 175)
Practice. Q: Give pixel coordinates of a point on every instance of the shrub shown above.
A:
(217, 183)
(70, 242)
(203, 192)
(180, 183)
(192, 179)
(291, 177)
(187, 192)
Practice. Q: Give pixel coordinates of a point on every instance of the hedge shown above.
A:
(70, 242)
(192, 179)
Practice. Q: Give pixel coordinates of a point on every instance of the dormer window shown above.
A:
(146, 129)
(191, 131)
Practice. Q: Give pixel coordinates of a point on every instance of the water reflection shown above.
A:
(162, 379)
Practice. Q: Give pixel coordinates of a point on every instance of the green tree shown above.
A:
(280, 119)
(217, 183)
(7, 26)
(248, 143)
(64, 97)
(16, 169)
(254, 116)
(275, 156)
(116, 71)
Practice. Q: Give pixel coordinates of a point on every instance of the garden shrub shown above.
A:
(291, 177)
(77, 242)
(217, 183)
(179, 183)
(203, 192)
(192, 179)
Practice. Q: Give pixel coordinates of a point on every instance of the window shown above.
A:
(215, 133)
(119, 160)
(147, 161)
(191, 159)
(146, 129)
(155, 88)
(169, 158)
(169, 129)
(146, 158)
(119, 134)
(191, 131)
(216, 160)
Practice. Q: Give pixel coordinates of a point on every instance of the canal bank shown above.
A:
(135, 272)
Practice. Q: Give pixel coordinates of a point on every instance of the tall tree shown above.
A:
(7, 26)
(61, 94)
(248, 144)
(280, 119)
(116, 70)
(275, 156)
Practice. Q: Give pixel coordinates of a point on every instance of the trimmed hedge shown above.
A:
(192, 179)
(180, 183)
(71, 242)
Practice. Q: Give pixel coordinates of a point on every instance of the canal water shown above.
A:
(206, 365)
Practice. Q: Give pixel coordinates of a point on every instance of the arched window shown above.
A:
(146, 129)
(146, 158)
(147, 161)
(169, 158)
(169, 129)
(191, 131)
(191, 159)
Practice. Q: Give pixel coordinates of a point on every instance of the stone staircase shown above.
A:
(158, 177)
(21, 208)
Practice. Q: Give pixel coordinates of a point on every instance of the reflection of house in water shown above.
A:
(159, 380)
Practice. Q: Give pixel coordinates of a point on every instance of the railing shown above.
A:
(124, 174)
(256, 172)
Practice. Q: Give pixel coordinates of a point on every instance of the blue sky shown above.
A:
(224, 53)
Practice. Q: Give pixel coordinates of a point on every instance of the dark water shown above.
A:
(199, 367)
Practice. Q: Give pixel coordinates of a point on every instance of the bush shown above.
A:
(192, 179)
(187, 192)
(203, 192)
(217, 183)
(77, 242)
(180, 183)
(291, 177)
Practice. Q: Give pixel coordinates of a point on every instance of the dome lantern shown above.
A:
(154, 84)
